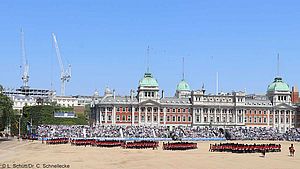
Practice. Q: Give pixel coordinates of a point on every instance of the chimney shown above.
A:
(295, 94)
(162, 94)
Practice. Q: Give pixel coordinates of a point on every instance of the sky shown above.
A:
(106, 43)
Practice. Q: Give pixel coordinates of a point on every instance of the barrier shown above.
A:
(140, 139)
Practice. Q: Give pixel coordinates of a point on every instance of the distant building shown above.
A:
(64, 114)
(28, 97)
(195, 107)
(31, 97)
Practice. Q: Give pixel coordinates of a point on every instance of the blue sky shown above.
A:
(106, 42)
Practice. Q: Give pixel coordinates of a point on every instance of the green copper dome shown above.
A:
(278, 85)
(183, 86)
(148, 81)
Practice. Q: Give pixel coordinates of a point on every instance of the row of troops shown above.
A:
(244, 148)
(179, 145)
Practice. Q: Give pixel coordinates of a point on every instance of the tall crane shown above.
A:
(65, 75)
(25, 65)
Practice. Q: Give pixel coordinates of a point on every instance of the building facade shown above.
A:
(28, 97)
(149, 106)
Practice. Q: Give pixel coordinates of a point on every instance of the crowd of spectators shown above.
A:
(263, 134)
(101, 131)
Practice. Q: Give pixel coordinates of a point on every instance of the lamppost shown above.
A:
(21, 114)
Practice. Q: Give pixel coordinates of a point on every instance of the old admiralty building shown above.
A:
(148, 106)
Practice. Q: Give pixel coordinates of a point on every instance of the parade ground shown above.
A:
(34, 154)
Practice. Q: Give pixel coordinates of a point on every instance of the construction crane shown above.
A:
(65, 75)
(25, 65)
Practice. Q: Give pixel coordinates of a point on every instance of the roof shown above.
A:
(175, 100)
(183, 86)
(148, 81)
(119, 99)
(278, 85)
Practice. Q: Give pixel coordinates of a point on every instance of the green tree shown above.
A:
(44, 114)
(7, 115)
(87, 112)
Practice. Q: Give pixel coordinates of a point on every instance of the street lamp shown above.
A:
(20, 123)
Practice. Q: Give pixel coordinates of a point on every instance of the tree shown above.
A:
(87, 112)
(6, 112)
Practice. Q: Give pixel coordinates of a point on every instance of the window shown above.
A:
(265, 120)
(124, 109)
(168, 110)
(123, 118)
(178, 110)
(168, 118)
(271, 120)
(118, 117)
(218, 119)
(254, 119)
(190, 118)
(152, 94)
(250, 119)
(198, 118)
(173, 118)
(118, 109)
(109, 117)
(205, 119)
(143, 118)
(136, 119)
(155, 118)
(287, 120)
(178, 118)
(129, 118)
(161, 118)
(149, 118)
(276, 120)
(245, 119)
(183, 118)
(173, 110)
